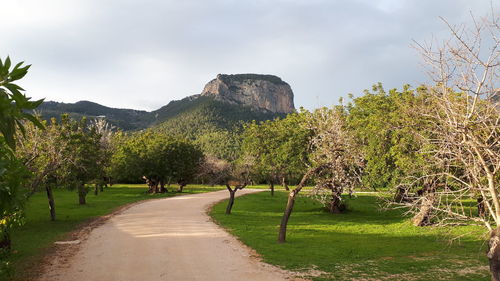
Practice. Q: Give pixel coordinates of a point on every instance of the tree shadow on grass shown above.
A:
(375, 244)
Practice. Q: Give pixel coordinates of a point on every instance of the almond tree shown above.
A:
(278, 148)
(106, 132)
(43, 153)
(465, 131)
(335, 162)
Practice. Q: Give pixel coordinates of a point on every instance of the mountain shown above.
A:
(267, 92)
(224, 103)
(191, 117)
(126, 119)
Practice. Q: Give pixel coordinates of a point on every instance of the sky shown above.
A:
(142, 54)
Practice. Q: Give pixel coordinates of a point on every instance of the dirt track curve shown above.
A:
(164, 239)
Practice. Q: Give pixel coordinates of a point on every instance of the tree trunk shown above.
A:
(81, 194)
(5, 242)
(182, 184)
(231, 201)
(271, 186)
(156, 189)
(291, 202)
(96, 189)
(286, 216)
(494, 254)
(162, 186)
(103, 186)
(285, 185)
(400, 195)
(422, 218)
(335, 207)
(52, 205)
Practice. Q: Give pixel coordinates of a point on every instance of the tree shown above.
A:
(106, 132)
(335, 159)
(278, 148)
(219, 143)
(156, 158)
(13, 106)
(237, 175)
(465, 128)
(213, 170)
(387, 134)
(83, 152)
(334, 148)
(43, 152)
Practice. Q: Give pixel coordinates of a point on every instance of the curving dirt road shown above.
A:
(164, 239)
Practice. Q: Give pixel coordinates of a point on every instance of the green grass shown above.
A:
(361, 244)
(31, 240)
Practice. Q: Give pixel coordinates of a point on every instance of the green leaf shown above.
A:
(19, 73)
(18, 65)
(7, 63)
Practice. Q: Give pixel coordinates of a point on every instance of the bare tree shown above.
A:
(106, 132)
(465, 131)
(213, 170)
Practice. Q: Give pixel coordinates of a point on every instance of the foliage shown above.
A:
(388, 133)
(13, 173)
(125, 119)
(222, 144)
(228, 78)
(13, 102)
(83, 151)
(212, 124)
(154, 156)
(279, 148)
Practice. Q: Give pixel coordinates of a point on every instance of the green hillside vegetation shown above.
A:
(125, 119)
(227, 78)
(214, 125)
(191, 119)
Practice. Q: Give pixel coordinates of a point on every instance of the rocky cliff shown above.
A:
(258, 91)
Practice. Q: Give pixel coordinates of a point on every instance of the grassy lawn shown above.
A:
(30, 241)
(362, 244)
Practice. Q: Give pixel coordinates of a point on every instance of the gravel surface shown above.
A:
(164, 239)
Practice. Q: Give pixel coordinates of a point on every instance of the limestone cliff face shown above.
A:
(266, 92)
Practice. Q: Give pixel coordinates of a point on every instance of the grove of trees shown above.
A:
(434, 149)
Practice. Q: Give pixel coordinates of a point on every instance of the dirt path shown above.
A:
(165, 239)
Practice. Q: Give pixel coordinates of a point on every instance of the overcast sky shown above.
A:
(142, 54)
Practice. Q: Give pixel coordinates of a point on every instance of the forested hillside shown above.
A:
(126, 119)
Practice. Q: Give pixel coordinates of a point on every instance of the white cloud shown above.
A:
(142, 54)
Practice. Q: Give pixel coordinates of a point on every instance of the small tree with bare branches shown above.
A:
(335, 162)
(465, 131)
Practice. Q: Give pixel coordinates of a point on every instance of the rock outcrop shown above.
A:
(264, 92)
